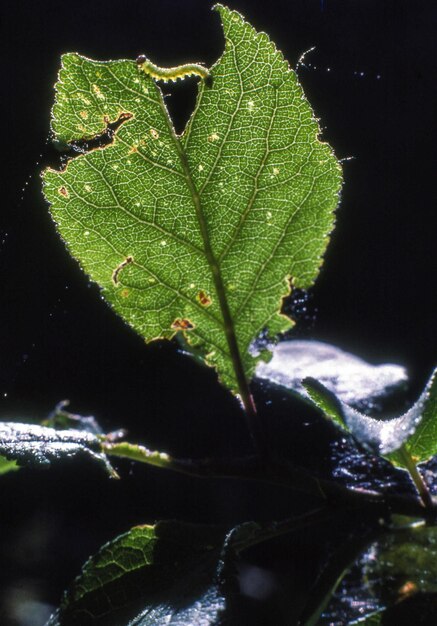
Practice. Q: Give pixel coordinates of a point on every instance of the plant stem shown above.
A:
(284, 527)
(417, 478)
(268, 471)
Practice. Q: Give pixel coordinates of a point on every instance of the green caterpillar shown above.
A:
(171, 73)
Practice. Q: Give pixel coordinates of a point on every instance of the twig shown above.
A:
(281, 473)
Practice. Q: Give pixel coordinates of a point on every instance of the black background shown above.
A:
(371, 81)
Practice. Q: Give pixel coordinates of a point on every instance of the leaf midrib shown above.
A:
(228, 325)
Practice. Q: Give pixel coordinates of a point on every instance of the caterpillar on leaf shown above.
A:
(172, 73)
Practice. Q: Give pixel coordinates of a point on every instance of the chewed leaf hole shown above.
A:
(103, 139)
(128, 260)
(204, 299)
(182, 324)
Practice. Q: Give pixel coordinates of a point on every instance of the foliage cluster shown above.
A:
(201, 236)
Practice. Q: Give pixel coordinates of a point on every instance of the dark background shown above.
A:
(371, 81)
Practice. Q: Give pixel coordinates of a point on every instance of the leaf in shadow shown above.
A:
(31, 444)
(400, 567)
(169, 574)
(330, 578)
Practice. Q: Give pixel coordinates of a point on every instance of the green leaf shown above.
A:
(417, 428)
(136, 452)
(199, 234)
(7, 466)
(31, 444)
(170, 573)
(423, 442)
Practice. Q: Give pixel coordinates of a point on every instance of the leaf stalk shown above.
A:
(417, 478)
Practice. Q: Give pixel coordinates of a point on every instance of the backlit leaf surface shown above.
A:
(199, 234)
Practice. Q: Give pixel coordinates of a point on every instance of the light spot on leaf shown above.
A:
(84, 99)
(98, 93)
(154, 133)
(213, 137)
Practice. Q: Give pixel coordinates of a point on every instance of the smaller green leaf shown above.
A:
(326, 401)
(169, 573)
(7, 466)
(423, 442)
(136, 452)
(31, 444)
(417, 427)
